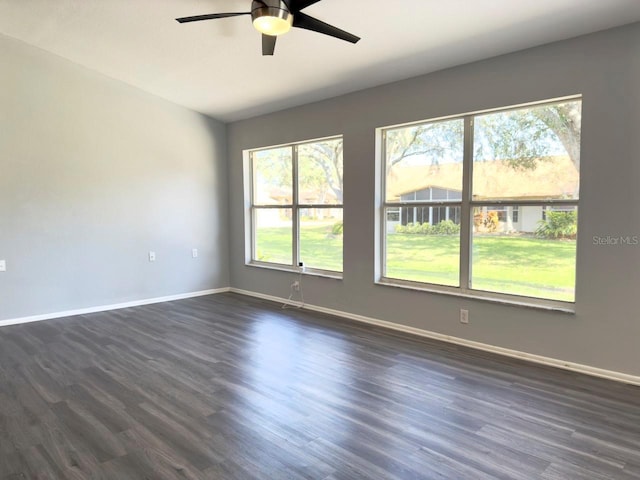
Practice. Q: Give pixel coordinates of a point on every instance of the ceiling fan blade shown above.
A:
(297, 5)
(300, 20)
(211, 16)
(268, 44)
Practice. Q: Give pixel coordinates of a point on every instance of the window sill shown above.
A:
(296, 270)
(511, 300)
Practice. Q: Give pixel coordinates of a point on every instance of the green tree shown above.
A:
(525, 137)
(320, 166)
(436, 141)
(273, 171)
(564, 120)
(522, 137)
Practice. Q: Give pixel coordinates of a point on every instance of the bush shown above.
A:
(337, 228)
(558, 225)
(492, 221)
(486, 222)
(446, 227)
(414, 228)
(426, 229)
(411, 228)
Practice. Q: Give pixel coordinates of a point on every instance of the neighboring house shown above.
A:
(553, 178)
(309, 196)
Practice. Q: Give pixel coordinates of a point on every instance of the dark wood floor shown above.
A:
(228, 387)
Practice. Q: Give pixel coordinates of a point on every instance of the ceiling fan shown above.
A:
(276, 17)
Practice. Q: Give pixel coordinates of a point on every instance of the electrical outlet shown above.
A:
(464, 316)
(152, 256)
(194, 253)
(3, 265)
(295, 285)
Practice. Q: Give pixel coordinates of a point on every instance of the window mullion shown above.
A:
(383, 210)
(252, 209)
(254, 253)
(465, 211)
(295, 211)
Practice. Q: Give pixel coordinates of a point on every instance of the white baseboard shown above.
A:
(553, 362)
(105, 308)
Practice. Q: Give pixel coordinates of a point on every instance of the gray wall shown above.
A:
(605, 68)
(93, 175)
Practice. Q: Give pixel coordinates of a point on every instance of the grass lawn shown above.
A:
(518, 265)
(318, 247)
(526, 266)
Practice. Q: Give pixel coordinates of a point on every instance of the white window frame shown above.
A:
(295, 206)
(467, 205)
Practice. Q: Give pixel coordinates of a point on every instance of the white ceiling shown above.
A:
(216, 66)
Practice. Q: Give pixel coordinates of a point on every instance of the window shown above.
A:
(484, 202)
(504, 213)
(296, 205)
(558, 208)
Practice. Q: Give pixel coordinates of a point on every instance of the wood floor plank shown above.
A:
(233, 388)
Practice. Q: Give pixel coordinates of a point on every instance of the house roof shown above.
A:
(553, 178)
(309, 196)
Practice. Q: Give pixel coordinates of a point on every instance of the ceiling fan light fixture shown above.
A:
(272, 20)
(276, 17)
